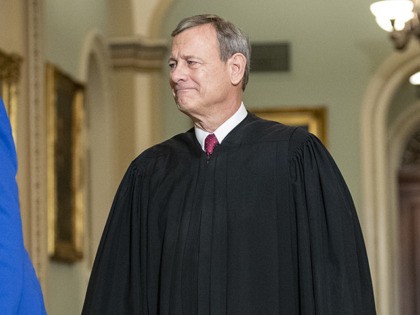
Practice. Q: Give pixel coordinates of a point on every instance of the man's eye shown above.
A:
(172, 65)
(191, 62)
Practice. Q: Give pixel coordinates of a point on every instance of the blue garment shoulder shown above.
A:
(20, 291)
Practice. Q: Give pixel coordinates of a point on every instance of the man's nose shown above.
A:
(178, 73)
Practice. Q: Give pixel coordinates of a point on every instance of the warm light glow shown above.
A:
(399, 11)
(386, 24)
(415, 78)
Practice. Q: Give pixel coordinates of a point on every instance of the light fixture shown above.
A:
(398, 17)
(415, 79)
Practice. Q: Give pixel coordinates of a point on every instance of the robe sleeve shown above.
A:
(115, 285)
(20, 292)
(333, 269)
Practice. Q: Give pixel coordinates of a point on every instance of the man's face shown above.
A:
(199, 79)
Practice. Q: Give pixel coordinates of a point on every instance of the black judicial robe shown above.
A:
(266, 225)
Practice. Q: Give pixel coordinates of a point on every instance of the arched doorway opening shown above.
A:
(381, 149)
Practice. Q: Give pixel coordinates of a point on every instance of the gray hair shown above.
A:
(231, 39)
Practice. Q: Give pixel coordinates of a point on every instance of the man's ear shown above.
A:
(237, 65)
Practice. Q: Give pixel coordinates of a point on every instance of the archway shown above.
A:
(379, 184)
(95, 67)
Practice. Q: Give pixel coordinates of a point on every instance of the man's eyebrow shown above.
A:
(183, 57)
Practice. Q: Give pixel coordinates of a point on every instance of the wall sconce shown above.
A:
(415, 78)
(415, 81)
(398, 17)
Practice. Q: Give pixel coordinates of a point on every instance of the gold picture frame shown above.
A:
(313, 119)
(9, 81)
(65, 114)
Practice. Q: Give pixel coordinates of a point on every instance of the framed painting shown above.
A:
(313, 119)
(65, 114)
(9, 81)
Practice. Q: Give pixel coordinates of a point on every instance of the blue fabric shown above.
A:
(20, 292)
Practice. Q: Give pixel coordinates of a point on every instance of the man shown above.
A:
(262, 223)
(20, 292)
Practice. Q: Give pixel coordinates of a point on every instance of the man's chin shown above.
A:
(183, 104)
(182, 107)
(186, 107)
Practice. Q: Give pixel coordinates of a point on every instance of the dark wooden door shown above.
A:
(409, 215)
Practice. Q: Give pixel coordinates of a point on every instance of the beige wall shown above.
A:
(336, 50)
(124, 98)
(12, 25)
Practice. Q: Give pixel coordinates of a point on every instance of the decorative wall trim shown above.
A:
(37, 142)
(411, 156)
(137, 53)
(406, 125)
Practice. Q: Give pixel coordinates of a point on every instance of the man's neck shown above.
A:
(217, 117)
(223, 130)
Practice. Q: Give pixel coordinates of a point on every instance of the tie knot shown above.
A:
(210, 143)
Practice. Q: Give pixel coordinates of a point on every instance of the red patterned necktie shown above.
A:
(210, 143)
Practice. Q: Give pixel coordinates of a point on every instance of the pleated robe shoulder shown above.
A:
(266, 225)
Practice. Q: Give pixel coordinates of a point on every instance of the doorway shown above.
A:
(409, 227)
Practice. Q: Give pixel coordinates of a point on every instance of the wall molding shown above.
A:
(137, 53)
(37, 142)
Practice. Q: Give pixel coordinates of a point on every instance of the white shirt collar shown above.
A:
(223, 129)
